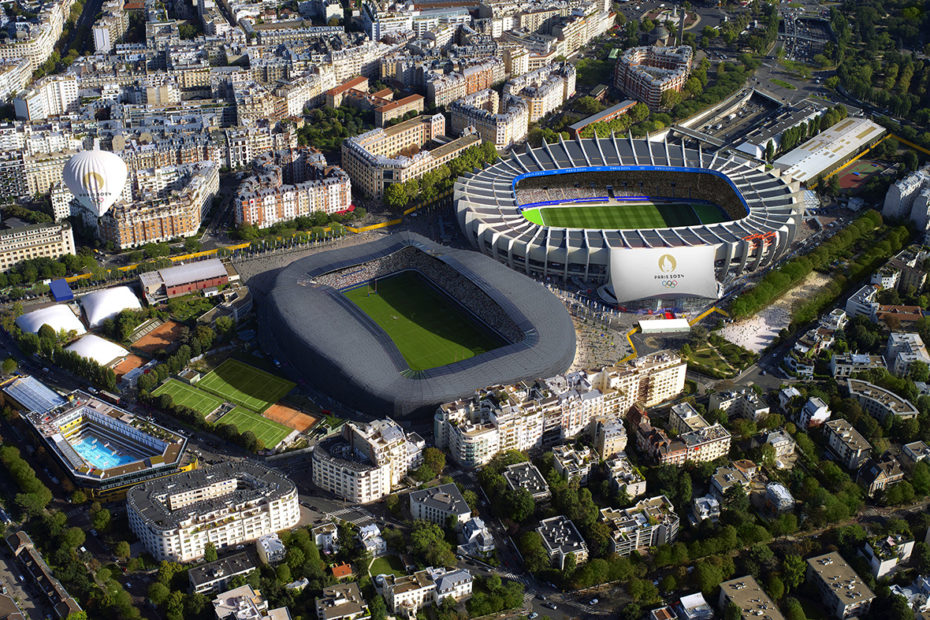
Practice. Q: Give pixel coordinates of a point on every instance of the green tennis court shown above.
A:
(428, 328)
(189, 396)
(245, 385)
(626, 215)
(267, 431)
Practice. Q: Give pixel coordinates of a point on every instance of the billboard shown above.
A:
(667, 272)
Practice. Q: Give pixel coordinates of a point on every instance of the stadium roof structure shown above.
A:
(106, 304)
(488, 198)
(34, 395)
(344, 354)
(58, 317)
(98, 349)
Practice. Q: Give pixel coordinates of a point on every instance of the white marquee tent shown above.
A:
(106, 304)
(98, 349)
(58, 317)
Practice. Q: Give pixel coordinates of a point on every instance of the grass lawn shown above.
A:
(706, 356)
(387, 564)
(428, 328)
(245, 385)
(269, 432)
(784, 84)
(626, 216)
(189, 396)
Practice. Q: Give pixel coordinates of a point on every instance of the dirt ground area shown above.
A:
(130, 363)
(758, 332)
(291, 418)
(165, 336)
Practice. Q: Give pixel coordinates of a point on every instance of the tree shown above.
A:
(521, 505)
(793, 609)
(122, 550)
(9, 366)
(775, 587)
(78, 497)
(100, 520)
(793, 570)
(770, 151)
(435, 459)
(209, 552)
(377, 608)
(427, 541)
(670, 98)
(395, 196)
(159, 593)
(72, 538)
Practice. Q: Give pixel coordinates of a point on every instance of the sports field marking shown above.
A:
(267, 431)
(245, 385)
(189, 396)
(428, 328)
(626, 215)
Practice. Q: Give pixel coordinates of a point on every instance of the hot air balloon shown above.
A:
(96, 178)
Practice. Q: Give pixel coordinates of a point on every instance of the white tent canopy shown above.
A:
(98, 349)
(58, 317)
(106, 304)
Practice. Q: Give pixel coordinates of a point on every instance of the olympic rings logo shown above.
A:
(670, 283)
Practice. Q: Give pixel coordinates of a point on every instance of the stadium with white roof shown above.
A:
(760, 212)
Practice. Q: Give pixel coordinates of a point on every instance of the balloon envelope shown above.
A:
(96, 178)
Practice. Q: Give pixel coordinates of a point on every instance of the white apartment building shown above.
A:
(902, 350)
(367, 461)
(525, 416)
(625, 477)
(743, 402)
(814, 413)
(561, 538)
(649, 523)
(703, 441)
(842, 591)
(503, 122)
(609, 437)
(574, 464)
(48, 240)
(245, 602)
(51, 96)
(544, 89)
(407, 594)
(438, 504)
(879, 402)
(885, 553)
(226, 504)
(845, 364)
(849, 446)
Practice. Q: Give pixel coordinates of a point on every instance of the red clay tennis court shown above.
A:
(291, 418)
(858, 174)
(165, 336)
(130, 363)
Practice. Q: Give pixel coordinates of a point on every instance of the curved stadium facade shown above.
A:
(723, 216)
(330, 336)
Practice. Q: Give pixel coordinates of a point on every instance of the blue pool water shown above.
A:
(93, 450)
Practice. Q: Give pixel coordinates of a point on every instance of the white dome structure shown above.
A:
(58, 317)
(98, 349)
(96, 178)
(106, 304)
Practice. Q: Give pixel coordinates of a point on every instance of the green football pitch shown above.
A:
(626, 215)
(428, 328)
(189, 396)
(245, 385)
(268, 431)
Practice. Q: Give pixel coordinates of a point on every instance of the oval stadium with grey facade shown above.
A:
(650, 219)
(321, 319)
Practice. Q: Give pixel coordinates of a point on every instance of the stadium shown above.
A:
(649, 220)
(103, 448)
(400, 324)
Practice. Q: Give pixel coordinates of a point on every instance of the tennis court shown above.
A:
(189, 396)
(858, 174)
(245, 385)
(268, 432)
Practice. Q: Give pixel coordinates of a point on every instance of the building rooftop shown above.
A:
(526, 476)
(560, 534)
(339, 601)
(888, 399)
(848, 435)
(839, 576)
(745, 593)
(445, 497)
(234, 564)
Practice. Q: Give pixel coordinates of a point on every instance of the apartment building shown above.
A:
(574, 464)
(387, 112)
(742, 402)
(625, 477)
(527, 415)
(783, 443)
(543, 90)
(383, 156)
(609, 437)
(215, 576)
(915, 452)
(841, 590)
(886, 553)
(34, 241)
(843, 365)
(879, 402)
(651, 522)
(367, 461)
(286, 184)
(880, 473)
(176, 210)
(439, 504)
(470, 77)
(814, 413)
(851, 449)
(246, 602)
(655, 442)
(43, 171)
(51, 96)
(726, 478)
(227, 504)
(527, 476)
(501, 121)
(749, 597)
(778, 498)
(407, 594)
(703, 441)
(343, 601)
(110, 27)
(862, 301)
(560, 539)
(902, 350)
(644, 73)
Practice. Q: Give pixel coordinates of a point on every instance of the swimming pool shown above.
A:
(95, 451)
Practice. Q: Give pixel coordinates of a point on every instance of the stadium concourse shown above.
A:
(354, 359)
(699, 218)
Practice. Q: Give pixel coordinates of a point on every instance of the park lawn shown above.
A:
(189, 396)
(427, 327)
(267, 431)
(784, 84)
(245, 385)
(387, 564)
(709, 357)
